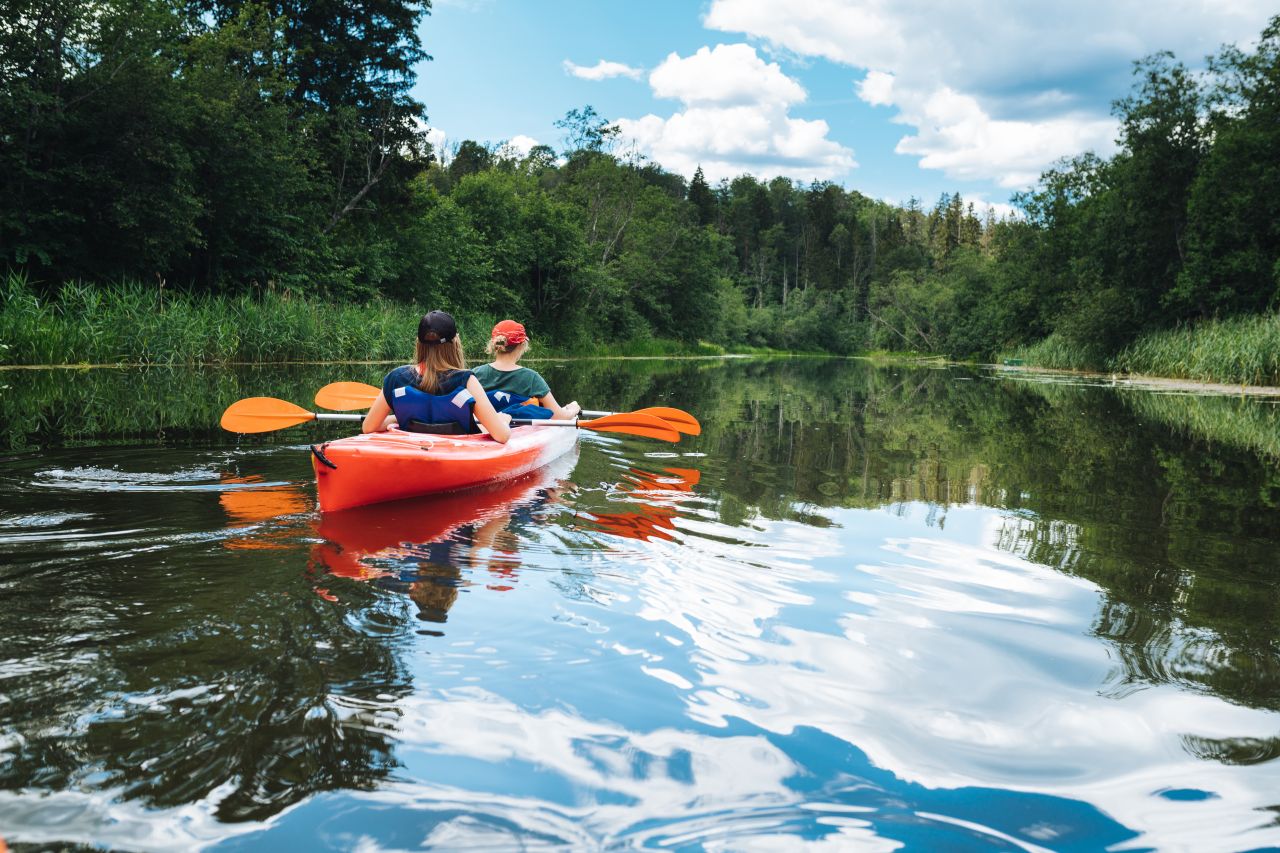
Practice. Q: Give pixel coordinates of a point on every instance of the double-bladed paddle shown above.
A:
(267, 414)
(678, 419)
(345, 396)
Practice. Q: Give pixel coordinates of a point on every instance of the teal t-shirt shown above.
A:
(522, 380)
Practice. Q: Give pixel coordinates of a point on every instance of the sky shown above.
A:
(893, 98)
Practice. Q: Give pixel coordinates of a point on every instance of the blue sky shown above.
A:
(909, 98)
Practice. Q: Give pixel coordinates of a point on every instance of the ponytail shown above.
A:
(498, 344)
(436, 359)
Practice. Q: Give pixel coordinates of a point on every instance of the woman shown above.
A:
(521, 390)
(438, 394)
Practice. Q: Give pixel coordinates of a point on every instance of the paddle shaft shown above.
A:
(543, 422)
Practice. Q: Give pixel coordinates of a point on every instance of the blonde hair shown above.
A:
(499, 345)
(436, 359)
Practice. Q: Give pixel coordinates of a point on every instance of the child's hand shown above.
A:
(572, 409)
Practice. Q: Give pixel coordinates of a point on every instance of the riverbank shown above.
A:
(1235, 352)
(131, 325)
(1144, 383)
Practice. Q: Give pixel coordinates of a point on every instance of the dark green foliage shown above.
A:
(1233, 243)
(269, 149)
(214, 145)
(470, 158)
(702, 199)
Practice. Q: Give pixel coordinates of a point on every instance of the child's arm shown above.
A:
(558, 412)
(379, 417)
(497, 425)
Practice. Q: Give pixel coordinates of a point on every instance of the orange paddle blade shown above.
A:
(633, 423)
(263, 414)
(345, 396)
(677, 419)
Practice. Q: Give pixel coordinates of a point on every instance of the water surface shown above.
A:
(891, 607)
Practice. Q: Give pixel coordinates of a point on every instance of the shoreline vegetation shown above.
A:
(1238, 351)
(130, 325)
(204, 184)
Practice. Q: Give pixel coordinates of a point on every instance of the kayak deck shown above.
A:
(393, 465)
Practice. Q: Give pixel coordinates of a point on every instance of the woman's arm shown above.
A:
(498, 425)
(379, 417)
(558, 412)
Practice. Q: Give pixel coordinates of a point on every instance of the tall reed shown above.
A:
(1058, 353)
(131, 323)
(1238, 351)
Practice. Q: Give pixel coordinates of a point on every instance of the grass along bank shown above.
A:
(132, 324)
(1235, 351)
(1238, 351)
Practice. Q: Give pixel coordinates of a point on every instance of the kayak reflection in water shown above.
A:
(428, 547)
(431, 548)
(435, 582)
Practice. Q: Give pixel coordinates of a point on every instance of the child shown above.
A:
(438, 393)
(513, 389)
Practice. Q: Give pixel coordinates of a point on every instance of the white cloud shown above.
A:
(985, 46)
(999, 209)
(521, 144)
(734, 120)
(437, 137)
(996, 89)
(954, 134)
(877, 89)
(602, 70)
(729, 75)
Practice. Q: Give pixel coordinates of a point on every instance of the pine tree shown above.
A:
(702, 199)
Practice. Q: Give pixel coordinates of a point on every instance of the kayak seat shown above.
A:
(435, 429)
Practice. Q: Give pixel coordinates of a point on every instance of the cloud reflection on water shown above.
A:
(958, 665)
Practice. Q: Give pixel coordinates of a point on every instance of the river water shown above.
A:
(882, 607)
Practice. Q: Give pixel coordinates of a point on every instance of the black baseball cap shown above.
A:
(437, 327)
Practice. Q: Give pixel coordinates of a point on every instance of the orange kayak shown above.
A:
(393, 465)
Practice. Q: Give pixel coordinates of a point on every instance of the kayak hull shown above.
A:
(394, 465)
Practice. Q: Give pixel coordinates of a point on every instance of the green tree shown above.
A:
(95, 178)
(585, 130)
(470, 158)
(1162, 133)
(702, 199)
(350, 64)
(259, 205)
(1233, 242)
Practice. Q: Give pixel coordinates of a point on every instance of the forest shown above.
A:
(230, 153)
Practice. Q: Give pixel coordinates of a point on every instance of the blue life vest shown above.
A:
(517, 406)
(415, 409)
